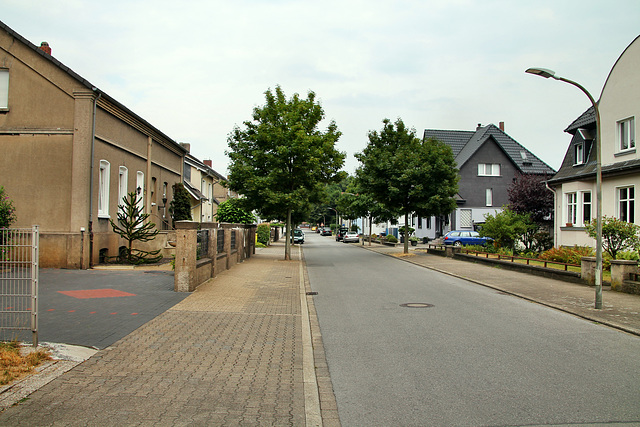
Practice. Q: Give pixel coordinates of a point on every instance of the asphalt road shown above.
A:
(460, 354)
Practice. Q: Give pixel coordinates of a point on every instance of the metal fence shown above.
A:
(19, 284)
(203, 243)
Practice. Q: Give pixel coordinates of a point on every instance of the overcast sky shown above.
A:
(196, 68)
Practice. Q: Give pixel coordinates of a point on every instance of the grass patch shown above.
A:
(16, 363)
(403, 255)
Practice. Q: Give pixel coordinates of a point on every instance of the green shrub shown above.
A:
(7, 210)
(264, 233)
(628, 255)
(392, 239)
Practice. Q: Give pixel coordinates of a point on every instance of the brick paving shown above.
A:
(229, 354)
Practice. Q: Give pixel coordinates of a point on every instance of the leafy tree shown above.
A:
(180, 206)
(231, 211)
(528, 194)
(617, 235)
(7, 210)
(280, 161)
(407, 175)
(135, 227)
(263, 233)
(507, 227)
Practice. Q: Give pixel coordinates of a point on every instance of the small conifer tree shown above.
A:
(135, 227)
(180, 206)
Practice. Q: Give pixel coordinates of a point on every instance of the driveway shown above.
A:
(96, 308)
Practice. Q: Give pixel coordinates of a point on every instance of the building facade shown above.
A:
(575, 183)
(70, 153)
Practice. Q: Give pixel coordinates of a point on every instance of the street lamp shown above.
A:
(543, 72)
(336, 217)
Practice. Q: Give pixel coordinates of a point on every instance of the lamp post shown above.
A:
(336, 217)
(543, 72)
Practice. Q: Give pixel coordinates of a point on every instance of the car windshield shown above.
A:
(297, 232)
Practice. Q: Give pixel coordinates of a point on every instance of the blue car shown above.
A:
(465, 237)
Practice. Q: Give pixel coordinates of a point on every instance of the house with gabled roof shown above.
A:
(575, 182)
(488, 160)
(70, 152)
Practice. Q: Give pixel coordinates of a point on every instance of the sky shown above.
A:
(195, 69)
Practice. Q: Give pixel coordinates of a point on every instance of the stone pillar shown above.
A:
(588, 270)
(186, 247)
(450, 251)
(620, 270)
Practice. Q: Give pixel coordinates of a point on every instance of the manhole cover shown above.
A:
(312, 293)
(416, 305)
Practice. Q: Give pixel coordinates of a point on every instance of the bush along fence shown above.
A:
(205, 249)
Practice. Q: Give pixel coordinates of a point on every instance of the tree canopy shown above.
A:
(528, 194)
(232, 211)
(280, 160)
(406, 175)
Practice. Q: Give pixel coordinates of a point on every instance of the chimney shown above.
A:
(44, 46)
(186, 146)
(479, 126)
(208, 163)
(501, 125)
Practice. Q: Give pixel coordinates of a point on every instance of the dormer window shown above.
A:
(579, 153)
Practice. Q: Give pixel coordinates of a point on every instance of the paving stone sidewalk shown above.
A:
(620, 310)
(230, 354)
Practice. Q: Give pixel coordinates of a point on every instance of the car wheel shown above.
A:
(457, 244)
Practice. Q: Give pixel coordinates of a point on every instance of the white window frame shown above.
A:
(626, 137)
(4, 88)
(578, 153)
(571, 207)
(103, 189)
(140, 184)
(123, 185)
(626, 205)
(584, 204)
(488, 197)
(488, 169)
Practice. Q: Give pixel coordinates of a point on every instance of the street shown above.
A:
(409, 346)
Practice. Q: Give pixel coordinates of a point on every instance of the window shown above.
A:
(571, 199)
(123, 177)
(429, 222)
(488, 169)
(419, 221)
(489, 197)
(140, 190)
(4, 88)
(103, 189)
(626, 202)
(586, 207)
(626, 134)
(579, 153)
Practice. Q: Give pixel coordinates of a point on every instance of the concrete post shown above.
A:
(588, 270)
(620, 270)
(186, 249)
(450, 251)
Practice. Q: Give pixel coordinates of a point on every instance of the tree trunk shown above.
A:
(406, 233)
(288, 236)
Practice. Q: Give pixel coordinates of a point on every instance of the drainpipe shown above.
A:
(555, 217)
(93, 144)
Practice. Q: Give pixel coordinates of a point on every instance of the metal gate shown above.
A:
(19, 284)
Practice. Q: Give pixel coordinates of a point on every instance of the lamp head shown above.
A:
(542, 72)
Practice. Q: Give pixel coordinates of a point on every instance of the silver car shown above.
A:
(351, 236)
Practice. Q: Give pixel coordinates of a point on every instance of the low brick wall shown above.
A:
(227, 245)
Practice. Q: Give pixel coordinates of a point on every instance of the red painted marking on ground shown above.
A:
(114, 313)
(97, 293)
(134, 314)
(92, 312)
(71, 311)
(52, 309)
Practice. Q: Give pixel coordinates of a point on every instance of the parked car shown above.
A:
(340, 233)
(351, 236)
(298, 236)
(326, 231)
(465, 237)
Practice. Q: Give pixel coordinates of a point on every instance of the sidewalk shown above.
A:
(620, 310)
(238, 351)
